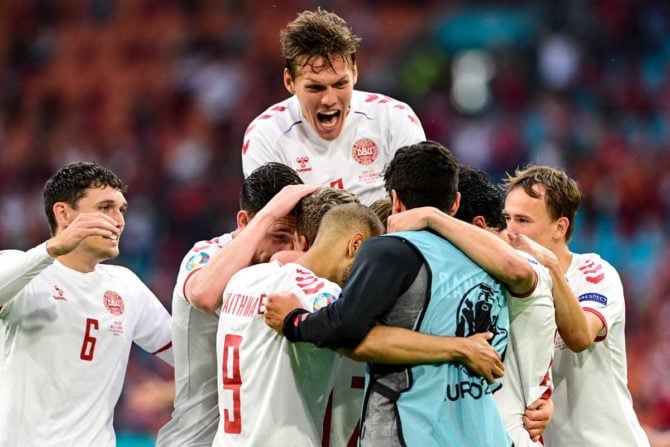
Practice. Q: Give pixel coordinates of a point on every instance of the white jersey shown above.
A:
(530, 351)
(343, 417)
(67, 338)
(374, 129)
(593, 404)
(271, 392)
(196, 411)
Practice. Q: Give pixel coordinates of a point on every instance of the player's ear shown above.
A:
(562, 224)
(354, 73)
(243, 219)
(62, 214)
(302, 244)
(355, 242)
(396, 204)
(456, 204)
(288, 82)
(480, 222)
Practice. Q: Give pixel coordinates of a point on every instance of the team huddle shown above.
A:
(375, 293)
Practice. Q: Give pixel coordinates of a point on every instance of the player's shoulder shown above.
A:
(10, 252)
(381, 247)
(278, 118)
(375, 104)
(255, 273)
(592, 268)
(114, 272)
(309, 283)
(202, 251)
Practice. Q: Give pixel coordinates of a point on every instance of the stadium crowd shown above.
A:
(161, 93)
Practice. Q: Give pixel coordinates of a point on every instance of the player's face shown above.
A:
(281, 236)
(109, 201)
(324, 93)
(529, 216)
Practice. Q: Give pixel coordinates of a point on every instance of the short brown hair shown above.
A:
(561, 193)
(315, 34)
(312, 208)
(348, 217)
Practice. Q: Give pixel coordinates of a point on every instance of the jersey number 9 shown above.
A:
(232, 381)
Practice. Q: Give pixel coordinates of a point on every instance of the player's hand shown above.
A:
(286, 199)
(543, 255)
(83, 226)
(481, 358)
(414, 219)
(537, 417)
(277, 306)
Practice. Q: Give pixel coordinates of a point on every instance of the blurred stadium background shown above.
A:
(162, 90)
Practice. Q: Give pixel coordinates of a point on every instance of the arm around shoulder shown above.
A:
(394, 345)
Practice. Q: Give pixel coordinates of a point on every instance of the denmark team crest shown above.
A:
(113, 302)
(365, 151)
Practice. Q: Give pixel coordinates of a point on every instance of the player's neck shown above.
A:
(320, 263)
(77, 262)
(564, 256)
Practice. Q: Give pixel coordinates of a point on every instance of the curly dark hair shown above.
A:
(423, 174)
(480, 197)
(70, 183)
(263, 184)
(315, 34)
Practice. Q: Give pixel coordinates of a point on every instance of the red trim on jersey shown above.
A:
(313, 290)
(591, 270)
(245, 147)
(183, 289)
(602, 318)
(530, 292)
(595, 279)
(546, 381)
(586, 266)
(371, 97)
(353, 442)
(357, 382)
(164, 348)
(279, 108)
(248, 129)
(325, 438)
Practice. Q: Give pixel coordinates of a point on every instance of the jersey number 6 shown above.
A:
(232, 381)
(88, 346)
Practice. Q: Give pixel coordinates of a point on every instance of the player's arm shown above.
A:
(153, 331)
(18, 268)
(372, 288)
(577, 328)
(405, 127)
(257, 150)
(393, 345)
(490, 252)
(204, 288)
